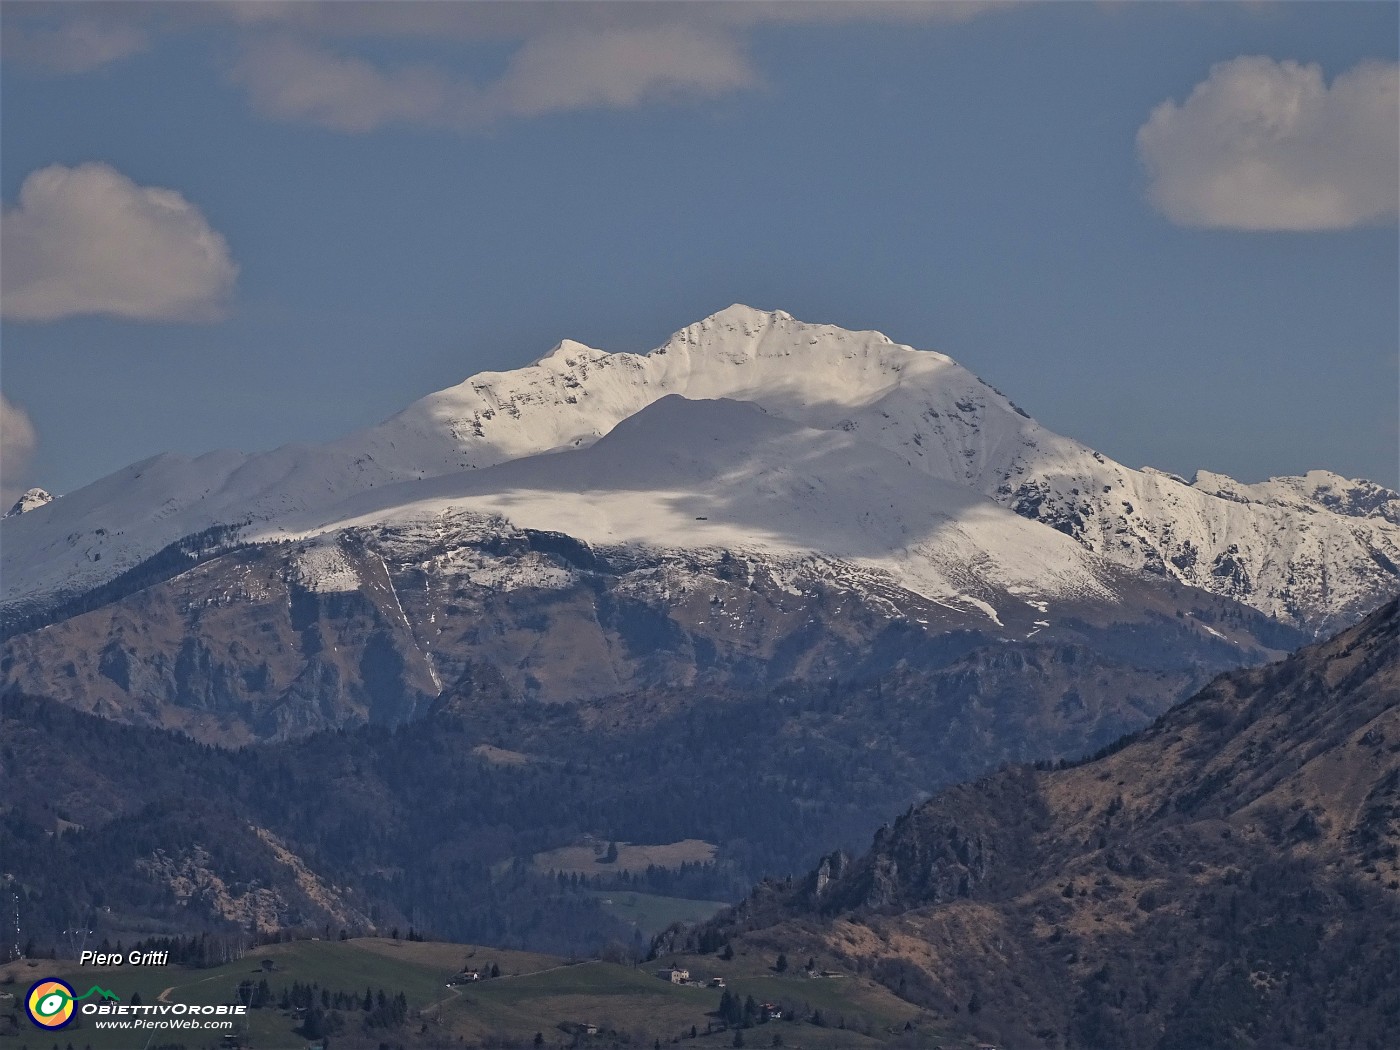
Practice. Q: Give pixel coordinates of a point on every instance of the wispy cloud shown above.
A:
(73, 45)
(578, 69)
(321, 63)
(17, 443)
(511, 20)
(291, 81)
(88, 240)
(1268, 145)
(617, 68)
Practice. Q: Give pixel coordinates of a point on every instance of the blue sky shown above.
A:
(1168, 230)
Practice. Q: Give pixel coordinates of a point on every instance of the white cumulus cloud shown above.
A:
(88, 240)
(17, 442)
(1268, 145)
(1264, 144)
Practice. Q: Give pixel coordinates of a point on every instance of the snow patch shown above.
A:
(323, 567)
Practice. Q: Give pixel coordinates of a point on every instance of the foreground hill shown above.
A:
(1229, 877)
(441, 820)
(304, 992)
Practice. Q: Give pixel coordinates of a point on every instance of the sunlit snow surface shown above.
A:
(726, 475)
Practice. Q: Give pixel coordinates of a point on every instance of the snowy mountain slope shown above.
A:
(1315, 490)
(376, 618)
(726, 475)
(83, 539)
(1292, 558)
(1312, 551)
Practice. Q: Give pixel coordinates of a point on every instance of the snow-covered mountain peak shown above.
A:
(741, 332)
(566, 354)
(32, 499)
(1317, 550)
(738, 316)
(816, 374)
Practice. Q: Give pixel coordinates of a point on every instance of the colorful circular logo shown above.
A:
(50, 1003)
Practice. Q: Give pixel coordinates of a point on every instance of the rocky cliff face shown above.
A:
(375, 624)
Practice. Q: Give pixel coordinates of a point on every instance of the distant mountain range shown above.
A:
(1227, 878)
(1312, 551)
(758, 500)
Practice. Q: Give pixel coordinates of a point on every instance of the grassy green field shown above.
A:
(850, 1005)
(534, 994)
(652, 914)
(612, 997)
(418, 969)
